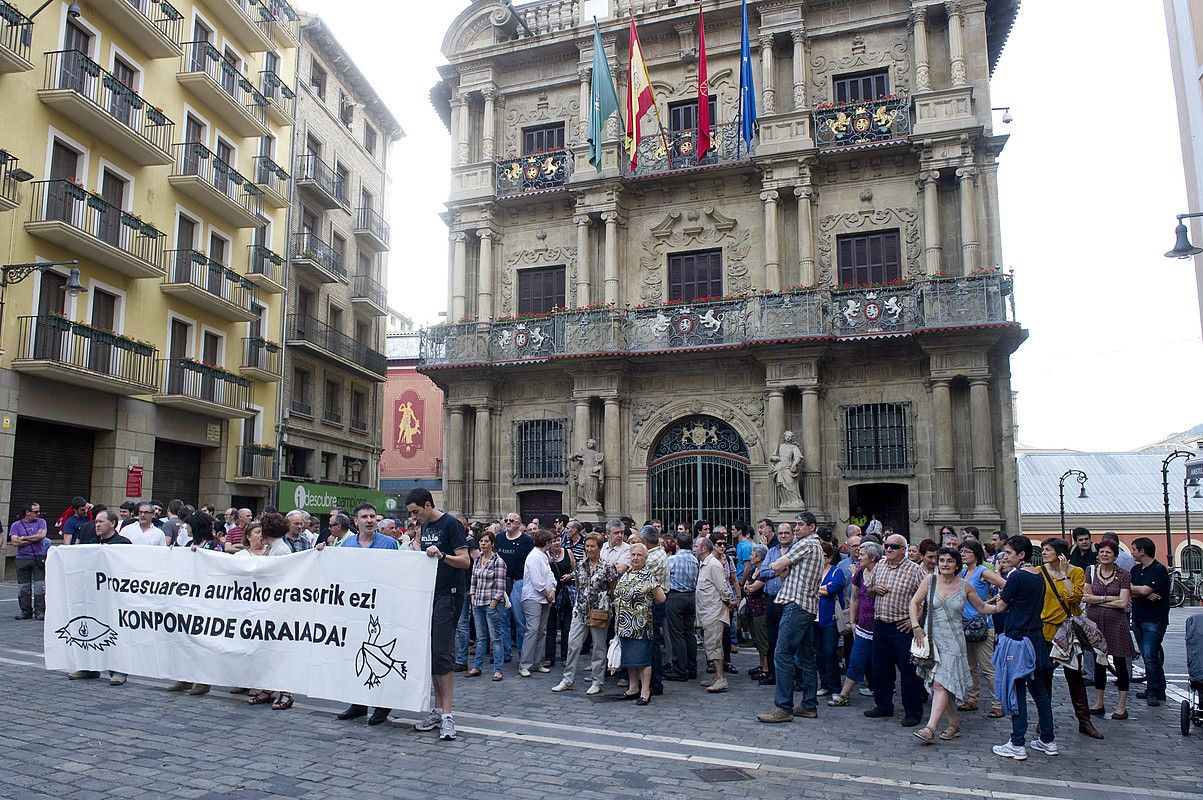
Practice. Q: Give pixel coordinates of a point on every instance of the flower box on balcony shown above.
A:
(76, 192)
(156, 116)
(89, 66)
(58, 323)
(97, 203)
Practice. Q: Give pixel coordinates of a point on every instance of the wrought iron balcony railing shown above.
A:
(8, 186)
(73, 70)
(277, 91)
(835, 313)
(193, 268)
(83, 347)
(193, 158)
(537, 172)
(312, 171)
(359, 425)
(673, 152)
(260, 354)
(306, 246)
(201, 56)
(365, 287)
(369, 222)
(64, 201)
(272, 177)
(332, 417)
(256, 461)
(303, 328)
(861, 124)
(162, 14)
(184, 377)
(266, 263)
(287, 19)
(16, 30)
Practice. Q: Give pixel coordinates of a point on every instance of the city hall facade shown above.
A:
(820, 321)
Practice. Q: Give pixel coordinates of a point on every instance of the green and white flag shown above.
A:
(603, 99)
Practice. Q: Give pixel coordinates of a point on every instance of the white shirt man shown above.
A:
(616, 550)
(144, 530)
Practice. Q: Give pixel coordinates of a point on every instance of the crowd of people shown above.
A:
(956, 623)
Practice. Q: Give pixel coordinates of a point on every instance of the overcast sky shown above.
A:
(1090, 183)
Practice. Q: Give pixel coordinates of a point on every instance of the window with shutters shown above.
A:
(873, 258)
(369, 139)
(540, 290)
(861, 86)
(683, 116)
(543, 137)
(695, 275)
(317, 79)
(876, 439)
(539, 446)
(332, 411)
(302, 392)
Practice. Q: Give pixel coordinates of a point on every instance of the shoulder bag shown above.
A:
(1080, 629)
(976, 628)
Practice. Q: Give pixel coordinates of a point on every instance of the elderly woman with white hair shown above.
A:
(757, 603)
(637, 590)
(860, 611)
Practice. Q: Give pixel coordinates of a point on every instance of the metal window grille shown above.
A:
(877, 438)
(538, 451)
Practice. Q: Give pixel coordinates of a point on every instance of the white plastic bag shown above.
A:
(614, 655)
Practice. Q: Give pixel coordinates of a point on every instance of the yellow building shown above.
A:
(142, 140)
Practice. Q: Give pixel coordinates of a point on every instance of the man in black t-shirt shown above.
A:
(1150, 615)
(442, 537)
(513, 548)
(1083, 554)
(103, 531)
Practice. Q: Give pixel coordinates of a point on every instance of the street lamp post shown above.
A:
(1081, 478)
(1187, 485)
(15, 273)
(1165, 499)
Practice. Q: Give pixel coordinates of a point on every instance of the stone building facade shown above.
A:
(334, 365)
(839, 281)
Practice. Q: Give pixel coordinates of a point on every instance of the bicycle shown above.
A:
(1185, 587)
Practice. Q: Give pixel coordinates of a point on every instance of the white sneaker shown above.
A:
(1009, 750)
(431, 721)
(542, 669)
(594, 689)
(562, 686)
(447, 729)
(865, 692)
(1048, 748)
(524, 672)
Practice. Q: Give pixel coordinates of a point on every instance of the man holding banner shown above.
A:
(443, 537)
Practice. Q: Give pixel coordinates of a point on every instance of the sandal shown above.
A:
(473, 673)
(995, 713)
(284, 703)
(925, 735)
(838, 700)
(951, 732)
(970, 706)
(498, 676)
(259, 697)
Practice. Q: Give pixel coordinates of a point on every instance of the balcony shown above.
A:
(251, 22)
(265, 269)
(287, 30)
(318, 180)
(85, 224)
(280, 97)
(223, 88)
(272, 180)
(372, 229)
(366, 291)
(260, 359)
(323, 261)
(16, 35)
(335, 347)
(76, 87)
(858, 126)
(678, 152)
(332, 418)
(57, 349)
(202, 389)
(8, 184)
(213, 183)
(256, 465)
(197, 279)
(536, 173)
(835, 314)
(153, 25)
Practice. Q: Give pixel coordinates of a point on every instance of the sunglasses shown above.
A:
(894, 546)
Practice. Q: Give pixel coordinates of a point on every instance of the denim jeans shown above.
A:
(829, 658)
(1148, 639)
(491, 620)
(463, 634)
(1037, 685)
(795, 659)
(518, 619)
(892, 652)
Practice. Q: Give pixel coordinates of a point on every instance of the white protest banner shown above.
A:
(341, 624)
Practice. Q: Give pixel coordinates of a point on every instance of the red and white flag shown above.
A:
(703, 90)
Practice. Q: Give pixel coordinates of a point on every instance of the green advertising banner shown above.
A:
(319, 498)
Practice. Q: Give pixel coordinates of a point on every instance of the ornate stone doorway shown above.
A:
(890, 501)
(698, 469)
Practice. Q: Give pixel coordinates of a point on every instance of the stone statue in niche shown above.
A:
(588, 469)
(786, 464)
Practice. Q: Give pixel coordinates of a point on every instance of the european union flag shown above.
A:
(747, 88)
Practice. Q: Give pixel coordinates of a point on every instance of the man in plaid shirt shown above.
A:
(800, 570)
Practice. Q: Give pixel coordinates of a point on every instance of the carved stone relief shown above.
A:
(857, 57)
(520, 111)
(691, 229)
(905, 218)
(538, 257)
(724, 83)
(744, 413)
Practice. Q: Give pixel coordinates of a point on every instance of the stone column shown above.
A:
(993, 233)
(484, 280)
(611, 265)
(774, 419)
(582, 125)
(983, 448)
(922, 63)
(812, 467)
(942, 461)
(482, 462)
(461, 133)
(766, 63)
(459, 290)
(798, 36)
(580, 433)
(613, 451)
(459, 110)
(969, 245)
(455, 459)
(487, 150)
(584, 264)
(772, 244)
(932, 249)
(806, 236)
(956, 43)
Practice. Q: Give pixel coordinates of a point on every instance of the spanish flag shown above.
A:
(639, 95)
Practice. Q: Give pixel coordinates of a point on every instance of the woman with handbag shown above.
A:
(946, 670)
(831, 607)
(590, 615)
(1064, 586)
(979, 632)
(1107, 595)
(562, 566)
